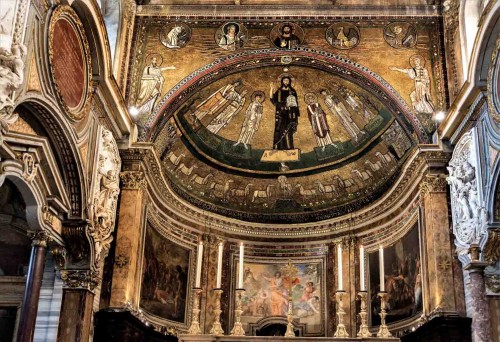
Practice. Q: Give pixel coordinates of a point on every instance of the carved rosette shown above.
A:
(102, 210)
(133, 180)
(468, 212)
(80, 279)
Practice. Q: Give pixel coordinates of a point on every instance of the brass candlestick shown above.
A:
(289, 317)
(363, 328)
(383, 331)
(340, 332)
(217, 328)
(238, 328)
(194, 329)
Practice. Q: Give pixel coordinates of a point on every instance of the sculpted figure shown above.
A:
(11, 79)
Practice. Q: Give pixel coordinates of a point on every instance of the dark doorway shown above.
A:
(275, 329)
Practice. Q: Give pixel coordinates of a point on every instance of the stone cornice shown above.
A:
(297, 12)
(388, 210)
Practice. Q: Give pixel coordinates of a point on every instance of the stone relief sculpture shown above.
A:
(468, 214)
(420, 97)
(11, 79)
(102, 210)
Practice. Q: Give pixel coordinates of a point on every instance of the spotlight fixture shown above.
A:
(439, 116)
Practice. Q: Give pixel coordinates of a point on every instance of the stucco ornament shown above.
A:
(102, 210)
(468, 212)
(11, 79)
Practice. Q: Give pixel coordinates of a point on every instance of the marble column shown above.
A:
(126, 277)
(480, 310)
(31, 297)
(75, 322)
(439, 252)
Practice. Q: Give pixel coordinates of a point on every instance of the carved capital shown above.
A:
(133, 180)
(432, 183)
(59, 255)
(80, 279)
(491, 251)
(40, 238)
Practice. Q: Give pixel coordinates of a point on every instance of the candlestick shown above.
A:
(217, 328)
(339, 266)
(219, 266)
(198, 265)
(289, 327)
(341, 332)
(381, 268)
(194, 329)
(363, 328)
(240, 275)
(238, 328)
(362, 267)
(383, 331)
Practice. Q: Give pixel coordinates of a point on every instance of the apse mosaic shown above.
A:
(268, 124)
(403, 279)
(268, 286)
(165, 277)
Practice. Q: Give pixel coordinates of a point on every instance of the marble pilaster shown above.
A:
(125, 283)
(438, 247)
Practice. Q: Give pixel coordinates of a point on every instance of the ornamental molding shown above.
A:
(105, 191)
(80, 279)
(133, 180)
(469, 215)
(402, 195)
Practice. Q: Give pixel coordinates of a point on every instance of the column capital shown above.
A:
(39, 238)
(432, 183)
(80, 279)
(133, 180)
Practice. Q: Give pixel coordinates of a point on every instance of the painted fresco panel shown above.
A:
(267, 288)
(165, 277)
(403, 279)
